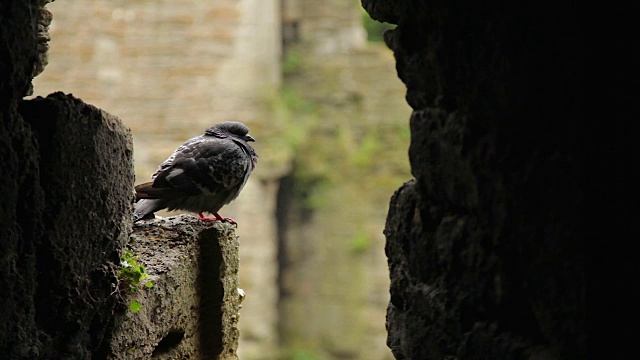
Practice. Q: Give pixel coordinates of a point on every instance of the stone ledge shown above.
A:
(191, 312)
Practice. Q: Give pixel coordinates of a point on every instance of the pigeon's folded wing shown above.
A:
(206, 166)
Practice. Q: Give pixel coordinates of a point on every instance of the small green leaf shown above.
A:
(135, 306)
(149, 284)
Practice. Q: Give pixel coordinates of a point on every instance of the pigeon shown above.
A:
(202, 175)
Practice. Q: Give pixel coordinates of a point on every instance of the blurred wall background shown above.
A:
(329, 115)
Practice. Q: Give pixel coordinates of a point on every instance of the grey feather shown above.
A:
(202, 175)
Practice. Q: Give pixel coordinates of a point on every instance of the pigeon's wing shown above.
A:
(182, 150)
(201, 166)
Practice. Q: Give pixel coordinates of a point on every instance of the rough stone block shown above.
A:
(191, 311)
(72, 215)
(486, 247)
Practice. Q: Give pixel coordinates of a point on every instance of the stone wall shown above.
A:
(66, 190)
(486, 247)
(170, 69)
(66, 217)
(76, 217)
(191, 311)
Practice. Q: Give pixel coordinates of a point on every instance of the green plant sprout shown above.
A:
(131, 277)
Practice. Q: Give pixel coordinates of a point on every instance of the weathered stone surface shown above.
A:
(191, 312)
(129, 66)
(486, 247)
(22, 204)
(123, 57)
(72, 217)
(65, 216)
(86, 174)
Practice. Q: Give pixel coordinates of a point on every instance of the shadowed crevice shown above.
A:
(168, 343)
(210, 293)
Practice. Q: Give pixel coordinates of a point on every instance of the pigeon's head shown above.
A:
(230, 128)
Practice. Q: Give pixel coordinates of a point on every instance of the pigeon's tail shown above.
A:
(149, 191)
(145, 208)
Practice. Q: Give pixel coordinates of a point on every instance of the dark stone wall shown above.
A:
(70, 220)
(486, 247)
(66, 194)
(86, 174)
(21, 207)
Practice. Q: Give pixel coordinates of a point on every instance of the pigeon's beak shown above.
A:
(249, 138)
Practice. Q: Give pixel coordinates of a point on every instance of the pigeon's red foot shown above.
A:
(230, 220)
(217, 217)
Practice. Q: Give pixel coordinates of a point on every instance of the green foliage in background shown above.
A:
(301, 354)
(326, 152)
(286, 129)
(329, 131)
(339, 127)
(375, 29)
(360, 243)
(365, 161)
(293, 62)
